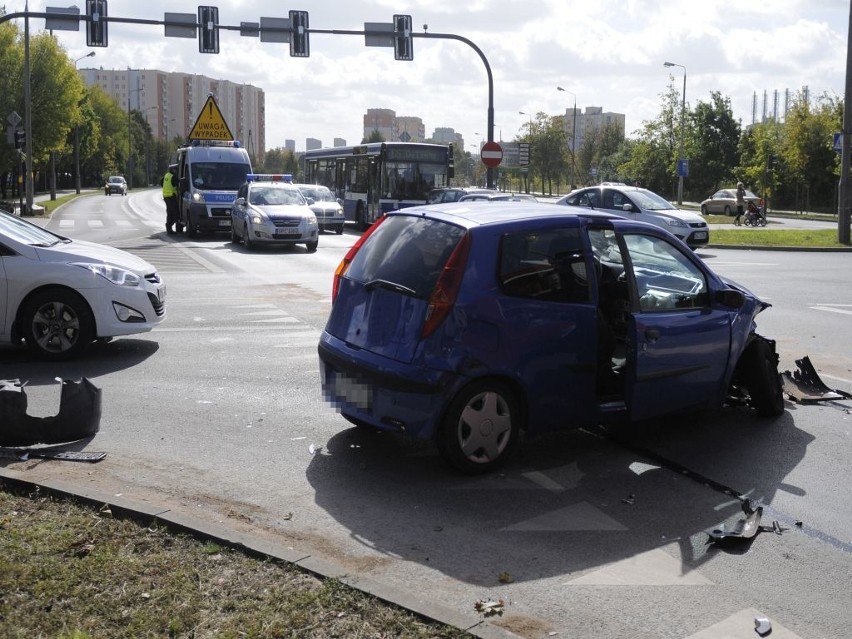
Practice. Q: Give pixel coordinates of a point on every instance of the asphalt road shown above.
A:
(217, 415)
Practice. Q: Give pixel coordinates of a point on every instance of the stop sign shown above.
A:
(491, 154)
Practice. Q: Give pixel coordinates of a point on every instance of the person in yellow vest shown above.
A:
(170, 195)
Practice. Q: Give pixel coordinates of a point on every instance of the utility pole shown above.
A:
(844, 209)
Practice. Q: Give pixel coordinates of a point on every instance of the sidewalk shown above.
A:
(39, 210)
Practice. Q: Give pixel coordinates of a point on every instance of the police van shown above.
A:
(209, 174)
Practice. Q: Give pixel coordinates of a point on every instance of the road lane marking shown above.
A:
(579, 516)
(651, 568)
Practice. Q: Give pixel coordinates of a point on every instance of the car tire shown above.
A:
(190, 228)
(728, 210)
(480, 428)
(762, 380)
(57, 324)
(235, 239)
(312, 246)
(339, 230)
(247, 243)
(703, 209)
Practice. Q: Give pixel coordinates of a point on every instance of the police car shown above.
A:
(269, 209)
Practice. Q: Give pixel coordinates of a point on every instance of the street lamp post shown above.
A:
(77, 137)
(573, 136)
(682, 117)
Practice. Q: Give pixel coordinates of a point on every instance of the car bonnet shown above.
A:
(82, 251)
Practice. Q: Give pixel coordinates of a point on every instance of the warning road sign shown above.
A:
(210, 124)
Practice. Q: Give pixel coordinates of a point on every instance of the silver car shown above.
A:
(725, 202)
(59, 294)
(327, 208)
(646, 206)
(269, 211)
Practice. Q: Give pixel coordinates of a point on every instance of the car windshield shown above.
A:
(116, 180)
(318, 193)
(211, 176)
(22, 231)
(264, 195)
(650, 201)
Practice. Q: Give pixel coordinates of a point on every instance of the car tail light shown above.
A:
(350, 255)
(447, 287)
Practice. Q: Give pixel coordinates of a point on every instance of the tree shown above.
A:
(280, 160)
(715, 135)
(11, 89)
(807, 151)
(653, 157)
(56, 91)
(103, 148)
(375, 136)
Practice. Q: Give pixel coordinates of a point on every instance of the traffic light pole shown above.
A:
(302, 32)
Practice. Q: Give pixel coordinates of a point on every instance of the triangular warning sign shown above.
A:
(210, 124)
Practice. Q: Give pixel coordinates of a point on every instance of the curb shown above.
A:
(182, 521)
(801, 249)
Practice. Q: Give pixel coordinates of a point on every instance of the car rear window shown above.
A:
(406, 251)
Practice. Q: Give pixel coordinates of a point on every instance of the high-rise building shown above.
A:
(339, 142)
(409, 128)
(444, 135)
(290, 145)
(381, 120)
(312, 143)
(171, 102)
(588, 124)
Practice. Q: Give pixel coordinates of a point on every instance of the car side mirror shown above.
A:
(340, 201)
(240, 201)
(627, 206)
(311, 201)
(730, 298)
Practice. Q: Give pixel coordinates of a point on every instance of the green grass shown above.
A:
(795, 238)
(71, 571)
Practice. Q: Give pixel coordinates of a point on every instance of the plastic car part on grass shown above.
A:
(79, 414)
(804, 385)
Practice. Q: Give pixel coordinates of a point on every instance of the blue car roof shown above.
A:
(469, 214)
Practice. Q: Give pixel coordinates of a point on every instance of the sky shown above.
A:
(604, 53)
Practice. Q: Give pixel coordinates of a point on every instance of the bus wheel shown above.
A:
(361, 218)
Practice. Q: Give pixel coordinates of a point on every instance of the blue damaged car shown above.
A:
(467, 324)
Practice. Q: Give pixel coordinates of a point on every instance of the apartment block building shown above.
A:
(171, 102)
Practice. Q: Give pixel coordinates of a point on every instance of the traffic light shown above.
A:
(208, 32)
(300, 46)
(20, 139)
(403, 48)
(96, 26)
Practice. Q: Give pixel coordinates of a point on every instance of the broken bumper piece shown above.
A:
(79, 415)
(804, 385)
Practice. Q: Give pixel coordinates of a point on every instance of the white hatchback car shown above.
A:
(58, 295)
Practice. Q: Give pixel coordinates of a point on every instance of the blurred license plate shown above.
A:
(224, 222)
(354, 392)
(701, 235)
